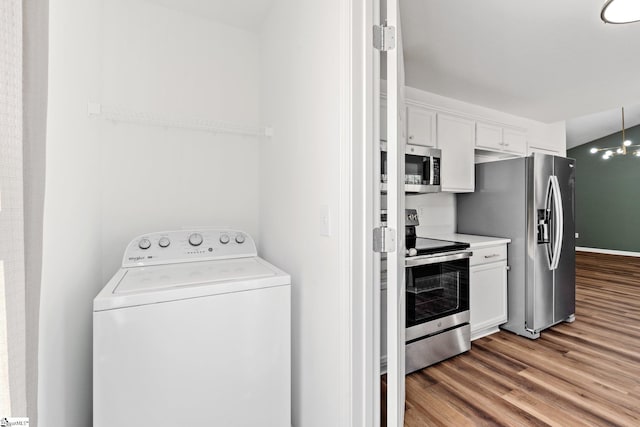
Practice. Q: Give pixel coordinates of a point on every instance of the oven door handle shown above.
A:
(434, 259)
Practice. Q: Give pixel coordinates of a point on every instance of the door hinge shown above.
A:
(384, 239)
(384, 37)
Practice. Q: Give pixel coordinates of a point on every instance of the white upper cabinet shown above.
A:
(456, 139)
(543, 150)
(421, 126)
(488, 136)
(469, 135)
(514, 141)
(383, 122)
(497, 138)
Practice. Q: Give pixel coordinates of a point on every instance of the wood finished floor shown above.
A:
(582, 374)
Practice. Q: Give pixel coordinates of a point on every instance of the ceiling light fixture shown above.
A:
(620, 11)
(622, 150)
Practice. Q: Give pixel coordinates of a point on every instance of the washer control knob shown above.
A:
(164, 242)
(195, 239)
(224, 239)
(144, 244)
(240, 238)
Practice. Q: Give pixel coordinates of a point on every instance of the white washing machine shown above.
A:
(193, 330)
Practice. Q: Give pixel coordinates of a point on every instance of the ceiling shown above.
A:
(546, 60)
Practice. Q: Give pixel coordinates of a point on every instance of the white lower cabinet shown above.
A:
(488, 290)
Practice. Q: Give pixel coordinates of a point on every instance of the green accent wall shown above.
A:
(608, 195)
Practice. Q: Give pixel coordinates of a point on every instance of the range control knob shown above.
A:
(240, 238)
(195, 239)
(164, 242)
(224, 239)
(144, 244)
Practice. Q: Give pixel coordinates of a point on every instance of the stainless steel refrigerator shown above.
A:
(531, 201)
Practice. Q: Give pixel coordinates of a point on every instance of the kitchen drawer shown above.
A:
(487, 255)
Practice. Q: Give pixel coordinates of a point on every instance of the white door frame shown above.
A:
(360, 304)
(360, 267)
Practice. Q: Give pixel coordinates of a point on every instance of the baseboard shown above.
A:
(484, 332)
(608, 251)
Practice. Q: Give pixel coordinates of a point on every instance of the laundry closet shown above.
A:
(167, 114)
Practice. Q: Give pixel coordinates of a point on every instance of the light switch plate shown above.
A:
(577, 235)
(325, 220)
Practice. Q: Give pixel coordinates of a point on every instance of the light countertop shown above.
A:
(473, 240)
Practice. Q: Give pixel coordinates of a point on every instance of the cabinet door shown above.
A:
(421, 125)
(488, 136)
(514, 141)
(488, 296)
(456, 138)
(401, 125)
(541, 150)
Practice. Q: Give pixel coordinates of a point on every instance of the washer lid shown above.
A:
(152, 278)
(137, 286)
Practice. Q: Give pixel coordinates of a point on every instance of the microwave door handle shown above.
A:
(558, 222)
(431, 171)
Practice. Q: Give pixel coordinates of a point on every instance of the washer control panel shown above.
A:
(171, 247)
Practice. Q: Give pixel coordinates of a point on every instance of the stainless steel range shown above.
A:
(437, 298)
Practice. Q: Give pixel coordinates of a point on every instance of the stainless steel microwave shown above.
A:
(421, 170)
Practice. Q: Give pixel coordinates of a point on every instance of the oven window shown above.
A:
(436, 290)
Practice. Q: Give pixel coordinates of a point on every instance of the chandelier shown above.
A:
(626, 147)
(620, 11)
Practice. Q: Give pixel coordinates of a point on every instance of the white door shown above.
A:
(395, 326)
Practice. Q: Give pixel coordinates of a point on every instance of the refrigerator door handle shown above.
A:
(558, 219)
(545, 223)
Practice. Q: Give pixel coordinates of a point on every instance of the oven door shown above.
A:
(437, 293)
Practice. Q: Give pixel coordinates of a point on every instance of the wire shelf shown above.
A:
(117, 114)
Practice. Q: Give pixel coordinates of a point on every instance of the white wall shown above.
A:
(176, 65)
(71, 238)
(300, 173)
(108, 182)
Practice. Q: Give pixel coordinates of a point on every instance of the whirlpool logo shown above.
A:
(14, 422)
